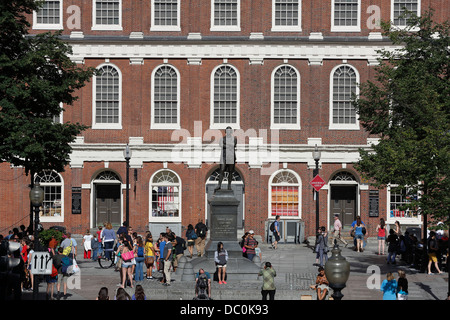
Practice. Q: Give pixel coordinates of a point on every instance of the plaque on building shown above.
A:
(374, 201)
(76, 200)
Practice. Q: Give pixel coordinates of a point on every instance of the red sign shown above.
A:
(317, 182)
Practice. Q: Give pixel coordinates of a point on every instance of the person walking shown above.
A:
(140, 259)
(70, 246)
(201, 230)
(322, 246)
(179, 245)
(167, 257)
(149, 255)
(87, 244)
(250, 244)
(127, 264)
(381, 236)
(268, 288)
(190, 236)
(221, 259)
(359, 234)
(337, 228)
(392, 247)
(276, 232)
(389, 287)
(109, 237)
(432, 252)
(402, 286)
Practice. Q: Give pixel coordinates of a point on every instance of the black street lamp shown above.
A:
(36, 198)
(127, 156)
(337, 271)
(316, 157)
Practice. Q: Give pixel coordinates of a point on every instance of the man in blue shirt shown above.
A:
(276, 232)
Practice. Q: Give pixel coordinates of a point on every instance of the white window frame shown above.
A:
(298, 185)
(337, 126)
(180, 196)
(400, 27)
(167, 126)
(297, 28)
(356, 28)
(61, 119)
(104, 27)
(289, 126)
(108, 126)
(222, 126)
(226, 28)
(155, 27)
(402, 220)
(49, 184)
(49, 26)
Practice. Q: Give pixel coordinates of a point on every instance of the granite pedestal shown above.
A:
(223, 228)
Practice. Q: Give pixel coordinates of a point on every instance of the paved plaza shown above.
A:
(295, 273)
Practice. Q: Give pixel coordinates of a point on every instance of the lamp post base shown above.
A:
(337, 294)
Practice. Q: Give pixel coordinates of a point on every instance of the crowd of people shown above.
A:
(133, 252)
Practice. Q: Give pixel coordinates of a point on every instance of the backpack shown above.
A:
(66, 262)
(201, 231)
(272, 226)
(140, 251)
(68, 249)
(202, 281)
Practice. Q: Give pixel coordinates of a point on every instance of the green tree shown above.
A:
(408, 107)
(36, 76)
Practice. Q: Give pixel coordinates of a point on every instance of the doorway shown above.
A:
(107, 204)
(343, 202)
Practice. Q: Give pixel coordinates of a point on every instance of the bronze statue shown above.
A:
(227, 157)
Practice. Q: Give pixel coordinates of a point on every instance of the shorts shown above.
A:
(381, 238)
(276, 236)
(127, 264)
(432, 257)
(221, 265)
(359, 236)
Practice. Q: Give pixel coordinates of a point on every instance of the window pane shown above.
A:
(344, 84)
(225, 95)
(287, 12)
(49, 13)
(285, 97)
(107, 95)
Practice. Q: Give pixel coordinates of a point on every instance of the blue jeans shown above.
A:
(109, 249)
(139, 273)
(393, 255)
(250, 256)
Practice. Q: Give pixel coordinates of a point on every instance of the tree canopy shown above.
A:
(37, 77)
(407, 106)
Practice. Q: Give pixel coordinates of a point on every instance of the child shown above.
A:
(389, 287)
(87, 244)
(402, 286)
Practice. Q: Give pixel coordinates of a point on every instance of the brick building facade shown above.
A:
(175, 74)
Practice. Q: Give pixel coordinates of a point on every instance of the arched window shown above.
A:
(225, 98)
(53, 205)
(284, 194)
(165, 196)
(285, 98)
(344, 81)
(107, 98)
(165, 98)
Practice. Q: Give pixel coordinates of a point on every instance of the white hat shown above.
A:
(251, 232)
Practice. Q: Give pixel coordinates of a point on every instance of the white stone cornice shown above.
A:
(193, 153)
(256, 51)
